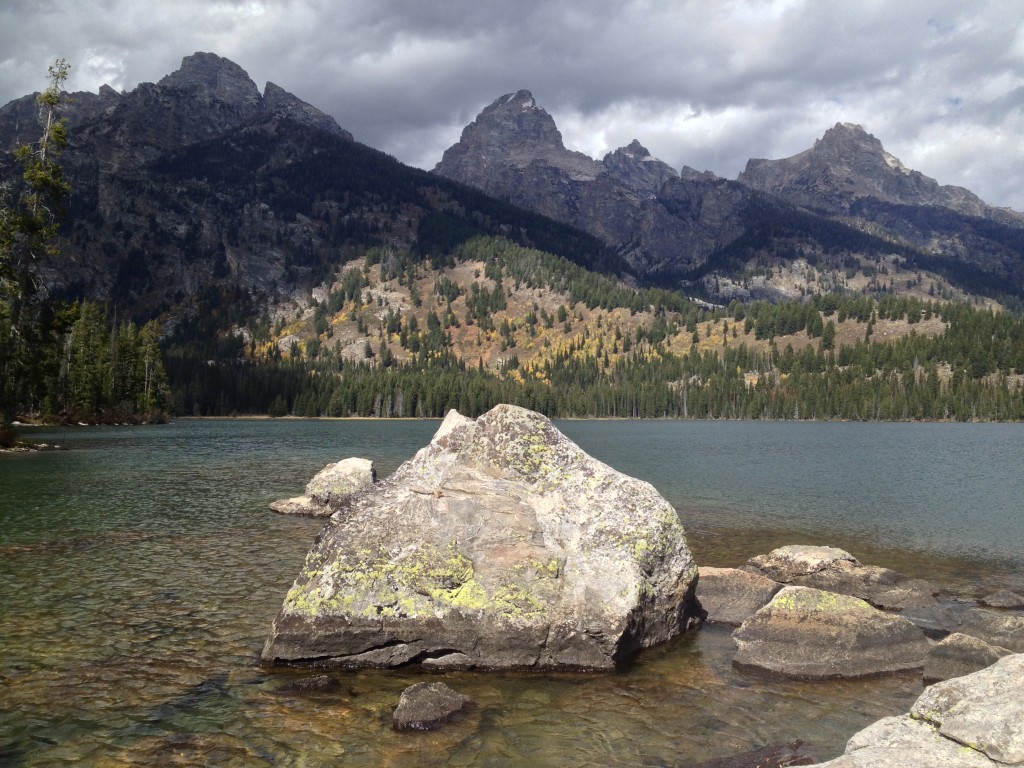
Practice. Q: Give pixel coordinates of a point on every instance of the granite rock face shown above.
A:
(835, 570)
(809, 633)
(514, 151)
(500, 545)
(967, 722)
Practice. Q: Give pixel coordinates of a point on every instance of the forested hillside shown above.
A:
(494, 322)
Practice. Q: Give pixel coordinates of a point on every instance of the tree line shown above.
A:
(971, 371)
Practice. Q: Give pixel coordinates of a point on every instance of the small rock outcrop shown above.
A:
(967, 722)
(809, 633)
(731, 596)
(330, 489)
(500, 545)
(836, 570)
(428, 706)
(1004, 598)
(958, 655)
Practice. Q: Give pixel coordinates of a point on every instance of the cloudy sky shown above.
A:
(704, 83)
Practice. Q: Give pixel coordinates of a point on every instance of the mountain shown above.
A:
(845, 208)
(200, 186)
(848, 164)
(295, 270)
(514, 152)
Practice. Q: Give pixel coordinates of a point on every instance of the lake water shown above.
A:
(140, 572)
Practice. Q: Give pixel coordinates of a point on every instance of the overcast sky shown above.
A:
(703, 83)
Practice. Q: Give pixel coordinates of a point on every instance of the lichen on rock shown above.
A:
(501, 544)
(811, 633)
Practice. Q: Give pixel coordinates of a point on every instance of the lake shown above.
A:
(141, 571)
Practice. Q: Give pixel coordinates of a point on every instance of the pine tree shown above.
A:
(28, 230)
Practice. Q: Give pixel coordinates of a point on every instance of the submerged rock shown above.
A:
(959, 655)
(318, 684)
(835, 570)
(427, 706)
(500, 545)
(331, 488)
(809, 633)
(994, 627)
(967, 722)
(731, 596)
(1004, 598)
(997, 629)
(772, 756)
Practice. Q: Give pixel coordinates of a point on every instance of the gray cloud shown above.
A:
(703, 84)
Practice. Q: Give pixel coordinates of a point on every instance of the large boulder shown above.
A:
(967, 722)
(809, 633)
(330, 489)
(731, 596)
(500, 545)
(836, 570)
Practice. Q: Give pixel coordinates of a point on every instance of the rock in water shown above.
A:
(1004, 598)
(772, 756)
(500, 545)
(958, 655)
(330, 488)
(836, 570)
(809, 633)
(426, 706)
(731, 596)
(960, 723)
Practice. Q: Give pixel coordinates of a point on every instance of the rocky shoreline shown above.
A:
(502, 545)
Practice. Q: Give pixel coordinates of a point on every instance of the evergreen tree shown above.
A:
(29, 220)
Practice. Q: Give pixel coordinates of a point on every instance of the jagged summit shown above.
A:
(634, 166)
(512, 130)
(214, 77)
(846, 164)
(206, 97)
(523, 98)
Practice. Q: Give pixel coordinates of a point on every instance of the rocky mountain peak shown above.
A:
(634, 166)
(846, 164)
(845, 140)
(514, 122)
(512, 151)
(215, 77)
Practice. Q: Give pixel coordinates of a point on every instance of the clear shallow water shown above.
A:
(140, 571)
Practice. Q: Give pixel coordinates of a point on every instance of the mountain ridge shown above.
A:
(678, 223)
(198, 182)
